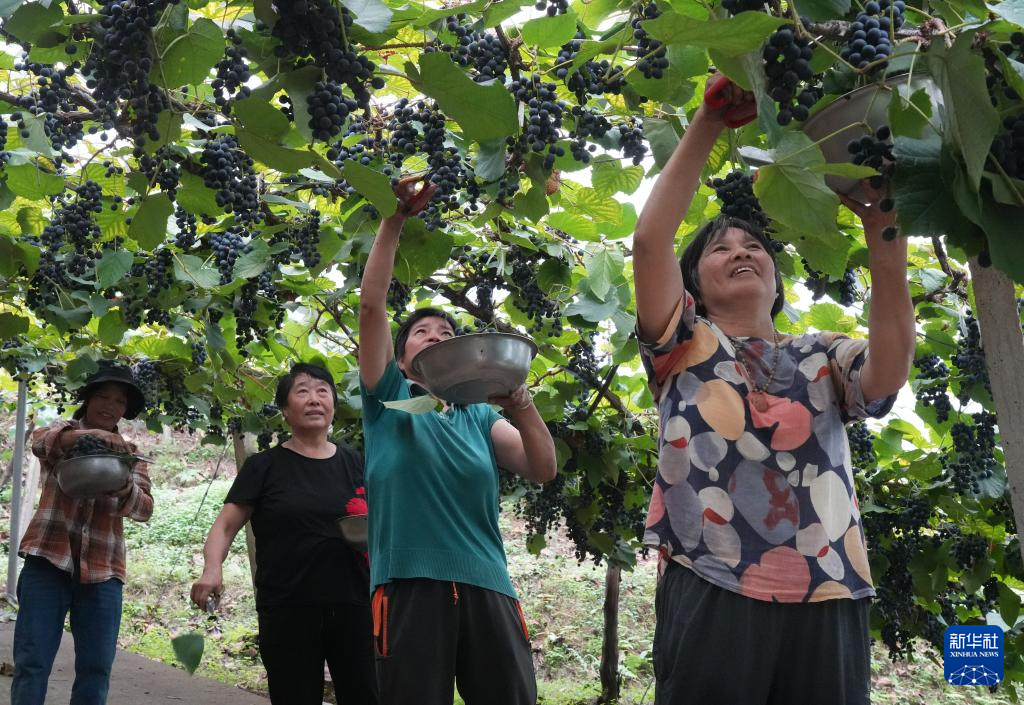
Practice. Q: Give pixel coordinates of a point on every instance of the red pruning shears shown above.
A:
(716, 97)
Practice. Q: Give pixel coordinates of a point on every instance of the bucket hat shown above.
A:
(112, 372)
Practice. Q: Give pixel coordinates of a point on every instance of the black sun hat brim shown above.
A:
(136, 399)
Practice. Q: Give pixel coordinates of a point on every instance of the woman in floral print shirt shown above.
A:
(765, 586)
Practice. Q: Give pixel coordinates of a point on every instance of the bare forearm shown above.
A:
(891, 335)
(538, 447)
(380, 265)
(675, 187)
(216, 548)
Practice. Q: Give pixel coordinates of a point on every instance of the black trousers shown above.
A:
(295, 641)
(715, 647)
(430, 635)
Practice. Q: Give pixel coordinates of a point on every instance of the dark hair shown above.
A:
(690, 260)
(418, 315)
(285, 384)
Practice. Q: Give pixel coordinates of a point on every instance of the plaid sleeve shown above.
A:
(45, 442)
(137, 504)
(846, 357)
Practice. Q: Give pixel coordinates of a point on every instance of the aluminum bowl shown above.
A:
(353, 529)
(469, 369)
(90, 476)
(859, 113)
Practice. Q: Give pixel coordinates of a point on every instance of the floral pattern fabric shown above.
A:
(759, 502)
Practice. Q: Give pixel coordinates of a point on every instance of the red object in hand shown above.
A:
(356, 505)
(716, 98)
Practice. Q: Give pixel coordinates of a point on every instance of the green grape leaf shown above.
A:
(373, 185)
(113, 265)
(31, 182)
(188, 649)
(32, 24)
(971, 121)
(604, 269)
(299, 84)
(576, 224)
(610, 177)
(188, 58)
(731, 37)
(484, 112)
(12, 325)
(371, 15)
(149, 224)
(821, 10)
(489, 163)
(192, 270)
(253, 262)
(548, 32)
(112, 327)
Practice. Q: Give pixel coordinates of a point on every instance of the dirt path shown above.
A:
(135, 681)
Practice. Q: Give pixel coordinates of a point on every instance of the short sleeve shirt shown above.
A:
(301, 557)
(760, 502)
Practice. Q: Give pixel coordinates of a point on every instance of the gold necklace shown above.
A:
(758, 394)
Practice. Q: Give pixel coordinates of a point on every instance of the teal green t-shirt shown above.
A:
(432, 489)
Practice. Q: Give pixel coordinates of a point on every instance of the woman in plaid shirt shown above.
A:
(74, 550)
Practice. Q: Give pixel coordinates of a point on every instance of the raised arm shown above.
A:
(375, 350)
(658, 281)
(891, 334)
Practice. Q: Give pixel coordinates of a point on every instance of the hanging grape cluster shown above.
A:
(544, 117)
(736, 194)
(844, 290)
(232, 73)
(482, 51)
(973, 458)
(791, 81)
(651, 55)
(592, 77)
(969, 358)
(227, 169)
(869, 39)
(932, 384)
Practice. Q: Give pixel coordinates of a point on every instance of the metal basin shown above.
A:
(472, 368)
(354, 529)
(90, 476)
(860, 113)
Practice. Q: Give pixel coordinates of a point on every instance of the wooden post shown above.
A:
(996, 305)
(17, 464)
(243, 449)
(610, 643)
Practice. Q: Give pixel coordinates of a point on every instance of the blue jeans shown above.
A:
(46, 594)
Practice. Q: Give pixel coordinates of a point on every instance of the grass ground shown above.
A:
(561, 598)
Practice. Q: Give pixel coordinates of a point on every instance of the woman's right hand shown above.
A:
(114, 440)
(726, 103)
(411, 201)
(210, 583)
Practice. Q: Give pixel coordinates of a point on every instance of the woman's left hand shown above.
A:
(517, 401)
(875, 219)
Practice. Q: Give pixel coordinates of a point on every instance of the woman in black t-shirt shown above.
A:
(312, 589)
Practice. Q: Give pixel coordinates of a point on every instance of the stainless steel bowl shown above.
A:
(472, 368)
(90, 476)
(354, 530)
(860, 113)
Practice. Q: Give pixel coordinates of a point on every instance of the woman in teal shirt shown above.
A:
(444, 609)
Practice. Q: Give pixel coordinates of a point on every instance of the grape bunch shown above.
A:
(553, 7)
(87, 445)
(318, 30)
(198, 354)
(969, 358)
(791, 80)
(869, 40)
(844, 290)
(631, 141)
(592, 77)
(1008, 146)
(304, 239)
(53, 96)
(119, 64)
(736, 194)
(968, 549)
(932, 385)
(227, 169)
(161, 170)
(586, 124)
(148, 378)
(875, 151)
(862, 447)
(735, 7)
(481, 50)
(159, 271)
(227, 246)
(544, 117)
(651, 55)
(531, 298)
(186, 236)
(73, 220)
(328, 109)
(232, 73)
(399, 296)
(973, 458)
